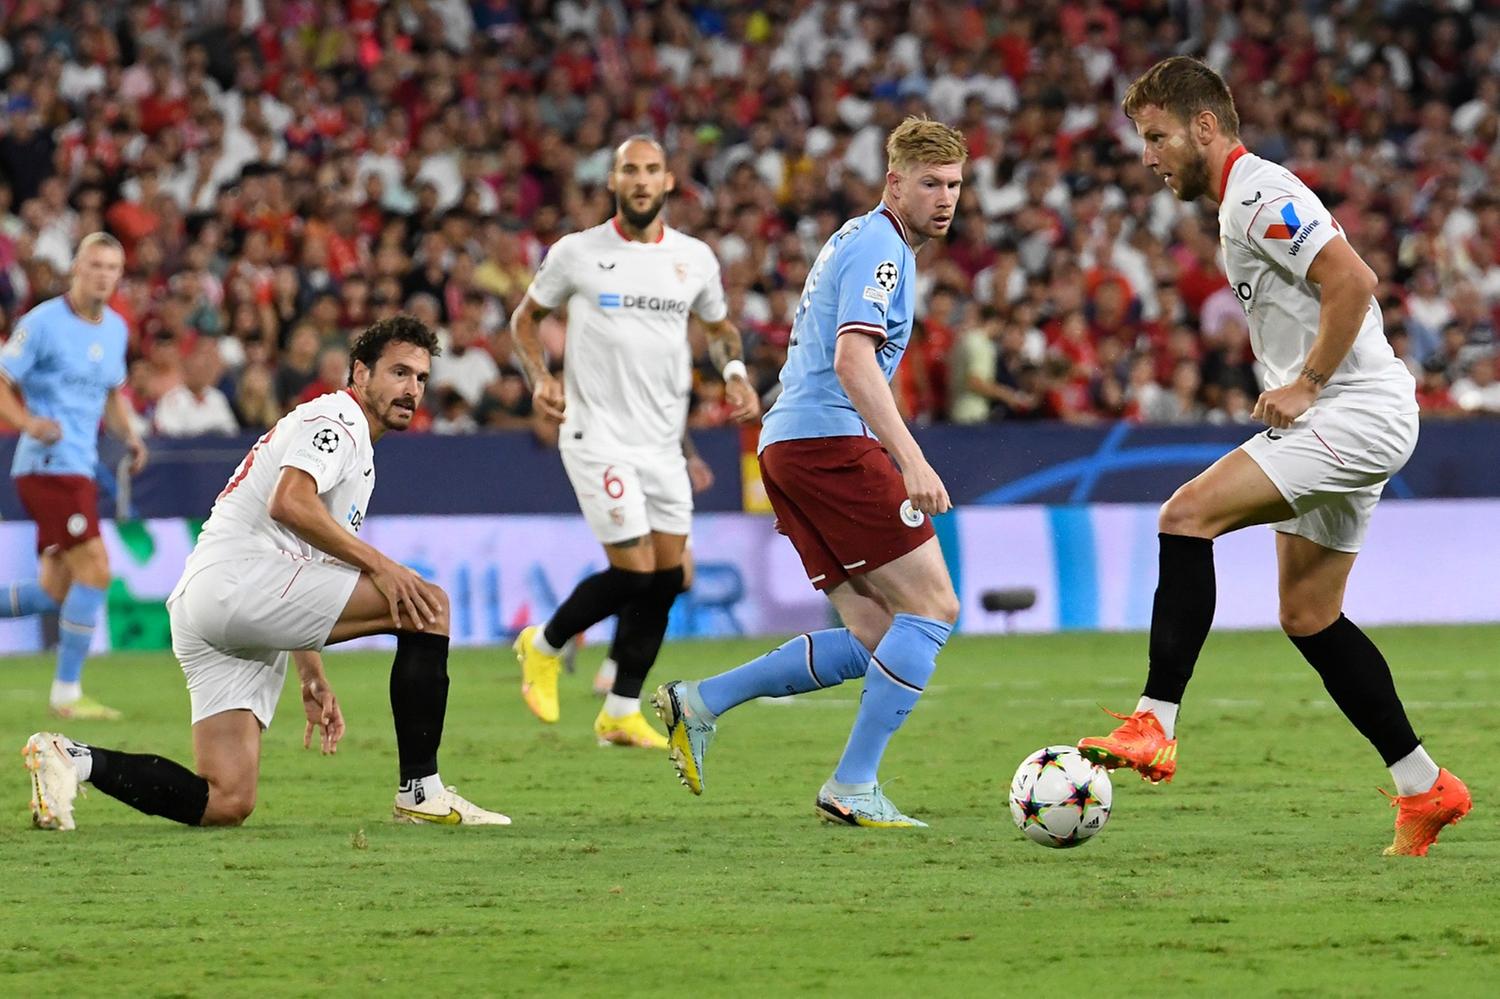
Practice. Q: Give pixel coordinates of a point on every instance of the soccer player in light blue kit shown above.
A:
(852, 490)
(60, 373)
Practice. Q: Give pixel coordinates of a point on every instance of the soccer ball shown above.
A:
(1058, 798)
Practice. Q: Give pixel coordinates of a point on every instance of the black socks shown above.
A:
(1359, 681)
(593, 600)
(150, 784)
(1181, 615)
(643, 623)
(419, 700)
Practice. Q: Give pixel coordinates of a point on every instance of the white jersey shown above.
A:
(627, 365)
(1271, 226)
(329, 439)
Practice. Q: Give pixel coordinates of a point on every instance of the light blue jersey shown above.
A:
(863, 283)
(65, 367)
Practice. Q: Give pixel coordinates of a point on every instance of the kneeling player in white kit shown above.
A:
(629, 286)
(278, 567)
(1342, 413)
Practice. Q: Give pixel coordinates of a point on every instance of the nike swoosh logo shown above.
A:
(346, 420)
(368, 471)
(1252, 200)
(453, 817)
(606, 267)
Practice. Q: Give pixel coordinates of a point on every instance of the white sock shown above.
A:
(542, 645)
(411, 793)
(618, 707)
(82, 757)
(608, 670)
(1165, 712)
(1414, 773)
(65, 692)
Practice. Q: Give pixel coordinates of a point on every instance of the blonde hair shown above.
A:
(920, 141)
(98, 239)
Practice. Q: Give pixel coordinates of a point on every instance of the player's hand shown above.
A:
(1279, 408)
(45, 430)
(403, 588)
(322, 710)
(547, 399)
(699, 474)
(744, 404)
(139, 454)
(925, 489)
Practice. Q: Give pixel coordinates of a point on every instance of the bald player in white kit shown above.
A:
(1342, 416)
(279, 568)
(629, 286)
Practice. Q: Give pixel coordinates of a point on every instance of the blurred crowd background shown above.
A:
(282, 172)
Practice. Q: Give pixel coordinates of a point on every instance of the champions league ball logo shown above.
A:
(326, 441)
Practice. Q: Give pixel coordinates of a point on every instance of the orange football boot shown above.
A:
(1139, 743)
(1422, 816)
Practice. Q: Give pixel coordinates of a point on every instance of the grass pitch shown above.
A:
(1258, 871)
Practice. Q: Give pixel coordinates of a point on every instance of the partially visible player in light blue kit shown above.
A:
(852, 490)
(60, 374)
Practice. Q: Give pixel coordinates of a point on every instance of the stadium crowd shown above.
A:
(282, 172)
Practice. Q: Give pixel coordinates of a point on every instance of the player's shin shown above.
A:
(151, 784)
(592, 600)
(419, 703)
(25, 599)
(1181, 615)
(1359, 680)
(808, 662)
(76, 619)
(902, 664)
(643, 624)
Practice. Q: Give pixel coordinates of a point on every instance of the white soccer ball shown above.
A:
(1058, 798)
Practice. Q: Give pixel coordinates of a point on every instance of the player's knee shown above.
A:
(93, 569)
(443, 610)
(1302, 618)
(943, 607)
(1182, 514)
(228, 805)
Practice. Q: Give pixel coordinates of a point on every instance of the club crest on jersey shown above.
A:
(886, 274)
(680, 269)
(16, 342)
(326, 440)
(96, 353)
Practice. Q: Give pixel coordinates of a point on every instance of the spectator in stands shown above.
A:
(1478, 391)
(197, 406)
(299, 365)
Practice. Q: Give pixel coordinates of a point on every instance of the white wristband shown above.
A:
(736, 367)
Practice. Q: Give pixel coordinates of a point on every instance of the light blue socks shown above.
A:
(80, 610)
(900, 668)
(808, 662)
(25, 599)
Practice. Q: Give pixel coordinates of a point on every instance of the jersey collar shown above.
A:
(895, 221)
(614, 220)
(1234, 155)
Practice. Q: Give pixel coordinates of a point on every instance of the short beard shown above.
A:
(639, 220)
(1194, 181)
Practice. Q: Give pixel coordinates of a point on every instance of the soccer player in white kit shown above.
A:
(629, 286)
(279, 566)
(1342, 417)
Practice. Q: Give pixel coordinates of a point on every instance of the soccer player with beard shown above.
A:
(852, 490)
(1342, 416)
(629, 286)
(279, 566)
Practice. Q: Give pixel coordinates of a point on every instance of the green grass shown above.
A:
(1258, 871)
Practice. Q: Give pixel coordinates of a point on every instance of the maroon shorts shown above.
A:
(843, 504)
(65, 508)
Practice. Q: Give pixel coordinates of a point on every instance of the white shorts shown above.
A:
(233, 622)
(1331, 467)
(631, 496)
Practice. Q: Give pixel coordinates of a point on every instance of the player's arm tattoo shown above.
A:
(1316, 377)
(523, 328)
(724, 343)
